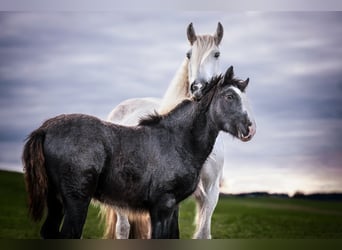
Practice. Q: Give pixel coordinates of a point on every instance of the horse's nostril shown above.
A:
(195, 86)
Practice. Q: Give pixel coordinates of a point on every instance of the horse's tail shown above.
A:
(108, 216)
(140, 225)
(35, 174)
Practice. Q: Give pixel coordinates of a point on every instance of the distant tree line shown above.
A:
(298, 195)
(318, 196)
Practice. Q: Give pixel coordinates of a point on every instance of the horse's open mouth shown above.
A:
(249, 136)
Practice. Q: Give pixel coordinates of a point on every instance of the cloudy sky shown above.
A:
(88, 62)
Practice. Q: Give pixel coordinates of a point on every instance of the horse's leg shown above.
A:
(161, 225)
(207, 193)
(206, 204)
(161, 218)
(76, 193)
(76, 209)
(50, 228)
(122, 225)
(174, 226)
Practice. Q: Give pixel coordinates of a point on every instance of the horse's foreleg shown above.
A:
(174, 226)
(163, 218)
(208, 189)
(206, 203)
(157, 227)
(165, 227)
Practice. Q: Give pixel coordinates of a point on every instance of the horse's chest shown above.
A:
(180, 180)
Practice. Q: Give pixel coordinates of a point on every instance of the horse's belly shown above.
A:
(127, 191)
(122, 200)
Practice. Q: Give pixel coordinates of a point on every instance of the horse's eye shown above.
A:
(217, 54)
(188, 54)
(229, 97)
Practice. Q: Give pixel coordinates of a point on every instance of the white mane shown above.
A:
(177, 91)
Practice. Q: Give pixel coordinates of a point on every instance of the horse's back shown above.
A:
(130, 111)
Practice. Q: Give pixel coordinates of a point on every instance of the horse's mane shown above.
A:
(155, 118)
(208, 94)
(212, 85)
(216, 81)
(178, 88)
(150, 119)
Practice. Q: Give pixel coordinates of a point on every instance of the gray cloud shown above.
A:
(52, 63)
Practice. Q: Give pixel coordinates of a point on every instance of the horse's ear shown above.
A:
(190, 32)
(229, 74)
(219, 34)
(243, 84)
(246, 82)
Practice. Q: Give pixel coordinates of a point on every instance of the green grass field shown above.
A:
(239, 218)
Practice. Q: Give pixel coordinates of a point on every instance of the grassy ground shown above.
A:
(242, 218)
(264, 218)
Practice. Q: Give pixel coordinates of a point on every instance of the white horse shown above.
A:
(201, 64)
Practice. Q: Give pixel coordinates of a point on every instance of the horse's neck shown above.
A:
(194, 127)
(204, 132)
(177, 90)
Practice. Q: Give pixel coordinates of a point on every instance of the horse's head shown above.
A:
(203, 58)
(229, 106)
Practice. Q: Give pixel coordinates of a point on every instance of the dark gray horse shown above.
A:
(152, 167)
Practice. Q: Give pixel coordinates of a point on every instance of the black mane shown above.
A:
(210, 89)
(150, 119)
(155, 118)
(208, 94)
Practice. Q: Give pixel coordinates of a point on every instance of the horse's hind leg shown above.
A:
(50, 228)
(76, 210)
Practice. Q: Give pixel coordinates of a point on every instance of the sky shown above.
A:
(88, 62)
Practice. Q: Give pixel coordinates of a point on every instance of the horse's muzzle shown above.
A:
(249, 136)
(197, 89)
